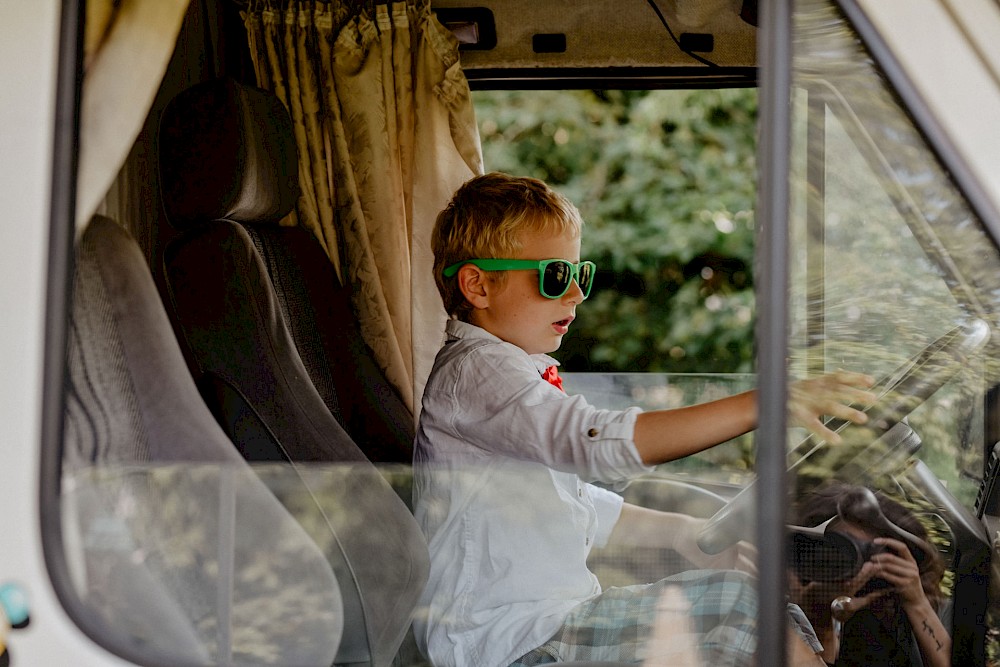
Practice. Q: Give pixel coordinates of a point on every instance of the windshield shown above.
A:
(886, 255)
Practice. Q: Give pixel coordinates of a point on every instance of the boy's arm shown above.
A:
(639, 526)
(665, 435)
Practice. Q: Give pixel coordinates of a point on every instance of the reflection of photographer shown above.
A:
(868, 580)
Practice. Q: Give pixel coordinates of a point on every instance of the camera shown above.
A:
(831, 556)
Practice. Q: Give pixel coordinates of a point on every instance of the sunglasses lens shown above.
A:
(586, 278)
(558, 275)
(556, 279)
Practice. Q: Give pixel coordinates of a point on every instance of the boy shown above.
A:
(503, 459)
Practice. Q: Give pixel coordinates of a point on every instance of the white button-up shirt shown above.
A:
(502, 465)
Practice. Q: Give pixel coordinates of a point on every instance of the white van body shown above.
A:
(948, 50)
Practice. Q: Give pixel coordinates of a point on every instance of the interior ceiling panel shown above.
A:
(615, 33)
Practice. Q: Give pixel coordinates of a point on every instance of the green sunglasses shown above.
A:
(554, 275)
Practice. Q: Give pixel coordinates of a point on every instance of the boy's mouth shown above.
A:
(562, 326)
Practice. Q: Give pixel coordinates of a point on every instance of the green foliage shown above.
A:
(665, 183)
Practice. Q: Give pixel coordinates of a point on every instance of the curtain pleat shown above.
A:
(386, 133)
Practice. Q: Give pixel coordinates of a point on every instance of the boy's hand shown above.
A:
(831, 394)
(741, 556)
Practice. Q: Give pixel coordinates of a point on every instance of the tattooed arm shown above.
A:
(898, 568)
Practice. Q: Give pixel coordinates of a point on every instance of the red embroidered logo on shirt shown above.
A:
(551, 375)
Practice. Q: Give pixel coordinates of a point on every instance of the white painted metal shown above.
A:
(27, 82)
(950, 50)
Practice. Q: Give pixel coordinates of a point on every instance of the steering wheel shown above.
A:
(899, 393)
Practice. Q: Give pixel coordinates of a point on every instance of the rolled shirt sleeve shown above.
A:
(524, 417)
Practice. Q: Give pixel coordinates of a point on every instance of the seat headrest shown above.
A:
(227, 150)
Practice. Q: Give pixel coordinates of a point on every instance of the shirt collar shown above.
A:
(457, 329)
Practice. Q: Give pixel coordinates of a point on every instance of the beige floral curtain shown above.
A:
(386, 132)
(127, 47)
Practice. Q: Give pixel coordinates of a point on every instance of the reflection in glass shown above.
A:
(887, 256)
(200, 564)
(892, 275)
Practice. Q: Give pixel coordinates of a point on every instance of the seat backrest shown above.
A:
(228, 152)
(151, 485)
(240, 346)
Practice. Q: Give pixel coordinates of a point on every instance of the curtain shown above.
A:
(386, 133)
(127, 46)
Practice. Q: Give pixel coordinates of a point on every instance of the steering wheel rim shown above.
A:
(899, 393)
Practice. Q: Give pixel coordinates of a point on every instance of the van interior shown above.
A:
(252, 313)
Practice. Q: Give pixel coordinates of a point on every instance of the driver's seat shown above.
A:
(229, 174)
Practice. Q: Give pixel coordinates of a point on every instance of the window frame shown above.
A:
(58, 291)
(774, 79)
(774, 50)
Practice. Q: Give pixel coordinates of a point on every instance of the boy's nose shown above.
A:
(574, 293)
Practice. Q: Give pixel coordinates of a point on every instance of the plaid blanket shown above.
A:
(695, 618)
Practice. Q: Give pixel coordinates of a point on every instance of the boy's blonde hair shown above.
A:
(485, 219)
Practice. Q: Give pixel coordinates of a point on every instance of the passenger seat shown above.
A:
(176, 551)
(227, 152)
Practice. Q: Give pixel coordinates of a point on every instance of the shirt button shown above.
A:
(579, 491)
(593, 433)
(587, 542)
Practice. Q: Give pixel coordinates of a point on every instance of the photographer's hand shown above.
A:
(817, 599)
(897, 566)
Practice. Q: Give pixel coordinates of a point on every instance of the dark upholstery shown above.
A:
(227, 152)
(237, 338)
(151, 484)
(229, 318)
(341, 366)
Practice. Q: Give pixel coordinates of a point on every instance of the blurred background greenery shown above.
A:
(665, 181)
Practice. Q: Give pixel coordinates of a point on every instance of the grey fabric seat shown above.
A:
(152, 487)
(229, 173)
(228, 152)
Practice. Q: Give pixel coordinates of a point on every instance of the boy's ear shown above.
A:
(474, 285)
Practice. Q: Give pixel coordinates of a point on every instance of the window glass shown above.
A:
(886, 255)
(200, 564)
(892, 275)
(203, 559)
